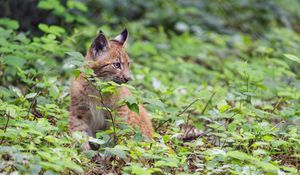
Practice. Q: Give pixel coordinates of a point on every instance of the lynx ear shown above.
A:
(100, 44)
(122, 37)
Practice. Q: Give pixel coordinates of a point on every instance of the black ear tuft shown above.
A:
(122, 37)
(100, 44)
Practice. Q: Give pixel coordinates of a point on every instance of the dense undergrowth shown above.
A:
(237, 82)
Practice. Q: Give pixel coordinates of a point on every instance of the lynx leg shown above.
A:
(141, 120)
(78, 124)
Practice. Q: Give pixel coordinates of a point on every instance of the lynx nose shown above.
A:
(126, 78)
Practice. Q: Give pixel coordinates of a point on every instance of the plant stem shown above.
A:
(206, 105)
(5, 127)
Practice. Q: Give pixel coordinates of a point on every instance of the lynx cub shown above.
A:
(110, 62)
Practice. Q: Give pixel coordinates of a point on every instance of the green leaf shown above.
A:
(51, 166)
(43, 27)
(133, 107)
(245, 157)
(78, 5)
(132, 104)
(44, 4)
(117, 152)
(76, 73)
(9, 23)
(138, 170)
(35, 169)
(267, 166)
(75, 55)
(55, 30)
(14, 61)
(51, 139)
(292, 57)
(31, 95)
(161, 163)
(138, 137)
(88, 71)
(289, 169)
(73, 166)
(238, 155)
(49, 172)
(45, 155)
(268, 138)
(95, 140)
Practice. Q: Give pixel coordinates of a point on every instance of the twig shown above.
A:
(162, 123)
(276, 105)
(5, 127)
(248, 96)
(206, 105)
(281, 122)
(186, 108)
(32, 103)
(111, 117)
(179, 114)
(107, 109)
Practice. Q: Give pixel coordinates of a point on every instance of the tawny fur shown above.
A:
(84, 116)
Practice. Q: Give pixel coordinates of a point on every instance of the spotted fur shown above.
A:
(110, 62)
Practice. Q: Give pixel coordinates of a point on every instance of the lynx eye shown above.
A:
(117, 65)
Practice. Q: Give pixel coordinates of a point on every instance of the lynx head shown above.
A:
(108, 58)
